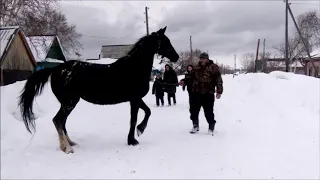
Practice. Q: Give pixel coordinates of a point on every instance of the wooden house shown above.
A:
(47, 50)
(16, 59)
(115, 51)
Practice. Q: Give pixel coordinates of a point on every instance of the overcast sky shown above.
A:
(223, 28)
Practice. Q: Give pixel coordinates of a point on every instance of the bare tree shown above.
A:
(12, 10)
(184, 60)
(309, 25)
(247, 62)
(41, 17)
(225, 69)
(53, 22)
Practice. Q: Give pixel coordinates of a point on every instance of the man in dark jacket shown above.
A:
(171, 82)
(158, 89)
(205, 78)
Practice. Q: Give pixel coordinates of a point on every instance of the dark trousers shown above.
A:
(206, 101)
(159, 98)
(173, 96)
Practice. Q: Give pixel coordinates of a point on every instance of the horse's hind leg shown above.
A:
(60, 121)
(142, 126)
(72, 143)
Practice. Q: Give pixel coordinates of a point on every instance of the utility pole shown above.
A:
(235, 63)
(257, 56)
(191, 54)
(147, 22)
(286, 39)
(263, 56)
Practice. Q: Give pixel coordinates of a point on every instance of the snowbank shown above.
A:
(267, 127)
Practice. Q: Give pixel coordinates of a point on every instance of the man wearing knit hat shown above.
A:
(206, 81)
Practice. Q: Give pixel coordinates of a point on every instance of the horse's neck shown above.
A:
(142, 61)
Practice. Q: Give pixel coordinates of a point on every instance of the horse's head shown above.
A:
(165, 48)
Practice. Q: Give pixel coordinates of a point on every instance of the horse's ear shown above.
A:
(163, 30)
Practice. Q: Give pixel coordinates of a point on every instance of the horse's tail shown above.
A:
(32, 88)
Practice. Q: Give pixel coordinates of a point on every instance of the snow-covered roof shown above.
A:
(156, 62)
(6, 36)
(103, 61)
(296, 63)
(53, 60)
(40, 46)
(315, 53)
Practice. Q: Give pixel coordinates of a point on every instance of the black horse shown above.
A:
(102, 84)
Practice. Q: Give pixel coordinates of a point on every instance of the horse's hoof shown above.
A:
(140, 129)
(67, 149)
(133, 142)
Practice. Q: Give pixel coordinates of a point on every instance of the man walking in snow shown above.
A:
(205, 77)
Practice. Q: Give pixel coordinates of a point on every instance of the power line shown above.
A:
(303, 3)
(124, 9)
(91, 36)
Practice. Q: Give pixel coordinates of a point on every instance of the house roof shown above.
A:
(115, 51)
(40, 46)
(6, 36)
(315, 53)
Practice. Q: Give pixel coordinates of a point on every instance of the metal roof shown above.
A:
(6, 36)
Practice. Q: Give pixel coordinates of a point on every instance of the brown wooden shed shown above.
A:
(16, 59)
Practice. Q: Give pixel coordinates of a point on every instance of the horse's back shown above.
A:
(97, 83)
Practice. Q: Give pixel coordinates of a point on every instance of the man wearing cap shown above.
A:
(206, 81)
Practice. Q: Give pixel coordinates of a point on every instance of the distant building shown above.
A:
(16, 59)
(115, 51)
(315, 58)
(278, 64)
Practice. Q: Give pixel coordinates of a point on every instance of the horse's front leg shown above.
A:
(133, 122)
(142, 126)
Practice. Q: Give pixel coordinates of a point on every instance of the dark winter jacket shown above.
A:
(188, 82)
(205, 79)
(171, 80)
(158, 87)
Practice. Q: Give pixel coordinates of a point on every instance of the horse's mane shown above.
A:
(137, 45)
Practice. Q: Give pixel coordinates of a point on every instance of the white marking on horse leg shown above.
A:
(70, 141)
(139, 132)
(64, 144)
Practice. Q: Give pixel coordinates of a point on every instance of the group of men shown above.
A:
(203, 81)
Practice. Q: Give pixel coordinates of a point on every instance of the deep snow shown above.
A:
(267, 127)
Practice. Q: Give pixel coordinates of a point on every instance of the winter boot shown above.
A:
(195, 128)
(211, 128)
